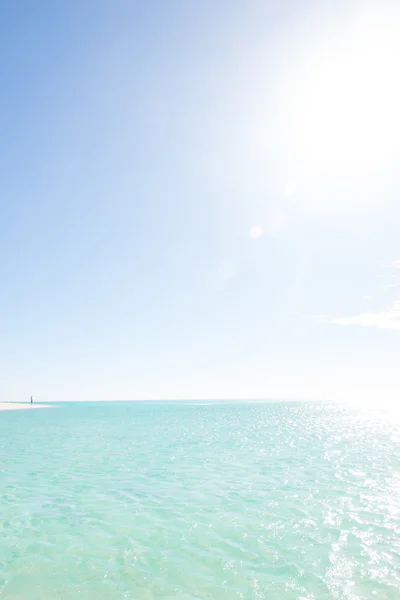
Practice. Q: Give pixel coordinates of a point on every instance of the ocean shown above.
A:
(191, 500)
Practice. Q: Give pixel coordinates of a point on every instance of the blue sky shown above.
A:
(199, 200)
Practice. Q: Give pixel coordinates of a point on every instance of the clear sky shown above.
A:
(199, 199)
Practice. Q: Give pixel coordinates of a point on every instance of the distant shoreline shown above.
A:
(17, 406)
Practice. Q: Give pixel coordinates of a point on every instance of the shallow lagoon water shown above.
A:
(281, 501)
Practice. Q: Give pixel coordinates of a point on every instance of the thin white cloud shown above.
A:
(390, 286)
(387, 319)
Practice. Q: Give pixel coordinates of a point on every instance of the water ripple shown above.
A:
(191, 501)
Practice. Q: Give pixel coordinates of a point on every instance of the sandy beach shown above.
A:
(16, 406)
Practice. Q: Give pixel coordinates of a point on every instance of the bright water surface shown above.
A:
(143, 501)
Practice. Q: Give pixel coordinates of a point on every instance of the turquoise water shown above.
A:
(280, 501)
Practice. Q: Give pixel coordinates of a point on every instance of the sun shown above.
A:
(346, 117)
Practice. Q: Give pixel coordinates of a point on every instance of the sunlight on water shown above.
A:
(142, 501)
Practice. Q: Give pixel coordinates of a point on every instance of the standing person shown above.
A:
(31, 399)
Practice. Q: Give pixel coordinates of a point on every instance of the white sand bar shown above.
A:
(16, 406)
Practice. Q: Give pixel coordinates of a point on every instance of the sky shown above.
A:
(200, 200)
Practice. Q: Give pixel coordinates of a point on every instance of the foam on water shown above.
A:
(142, 501)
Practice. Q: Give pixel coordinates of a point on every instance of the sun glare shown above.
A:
(347, 115)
